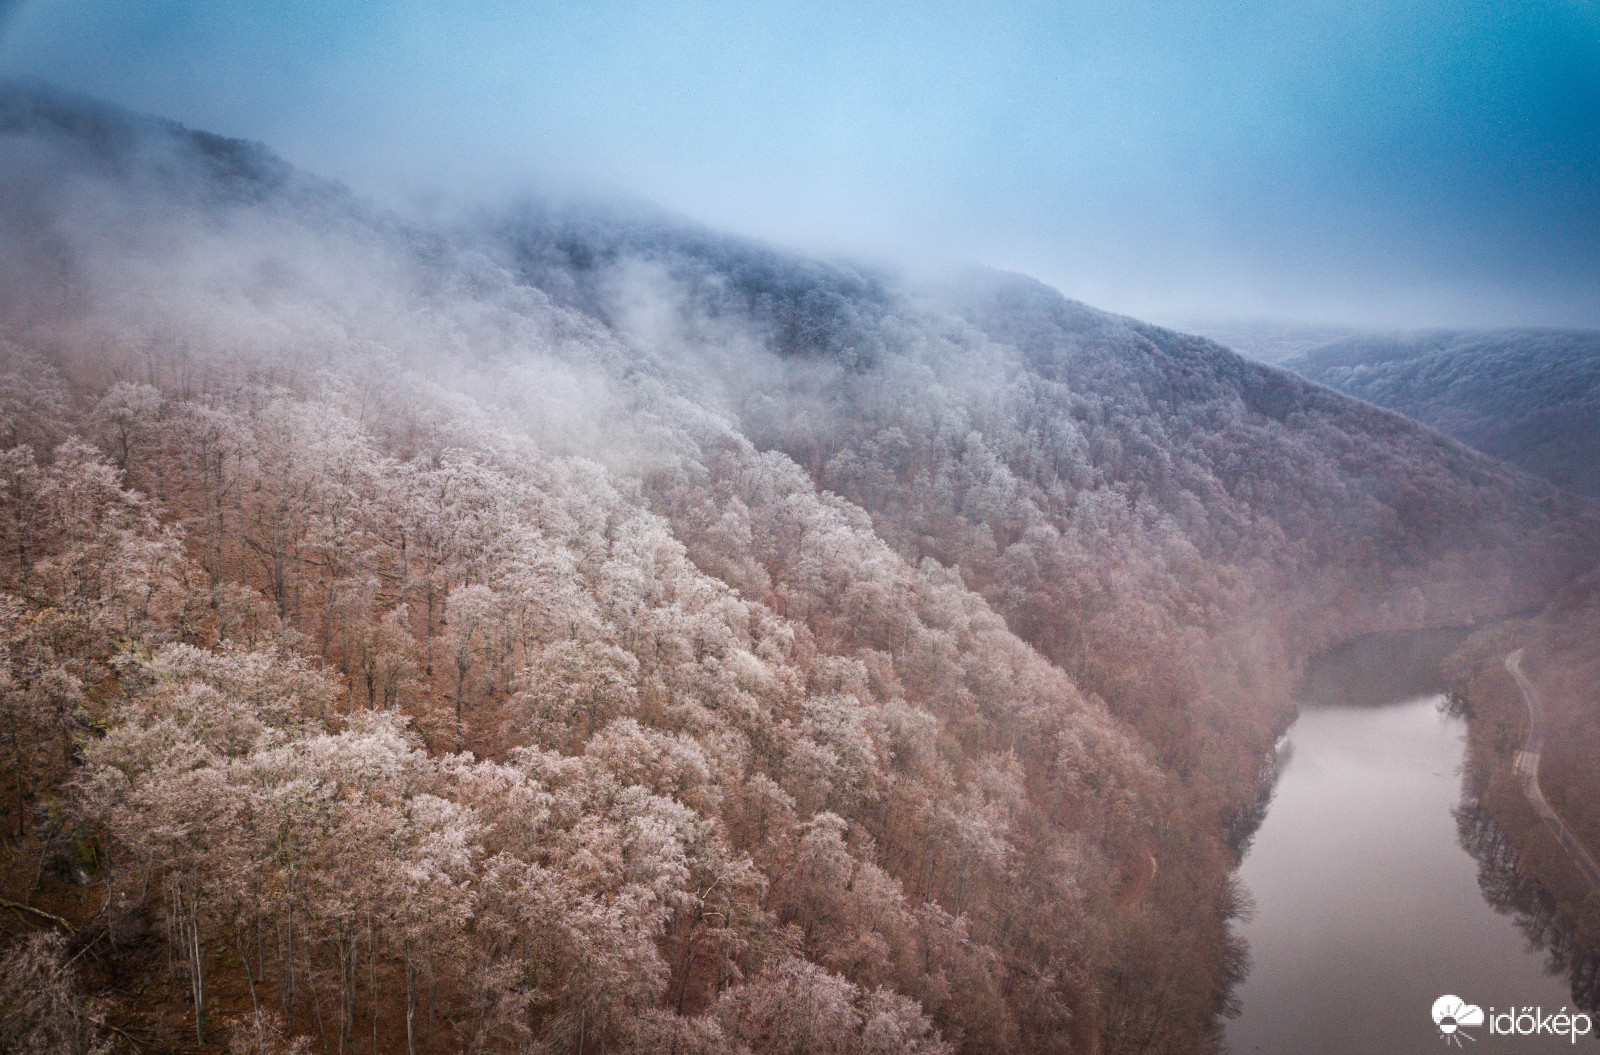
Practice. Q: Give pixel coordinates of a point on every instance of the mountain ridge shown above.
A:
(1523, 395)
(730, 633)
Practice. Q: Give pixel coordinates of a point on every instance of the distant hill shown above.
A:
(1531, 397)
(1264, 340)
(589, 632)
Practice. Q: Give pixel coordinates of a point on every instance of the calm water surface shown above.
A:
(1367, 906)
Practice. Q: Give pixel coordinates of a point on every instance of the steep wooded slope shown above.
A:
(589, 633)
(1116, 490)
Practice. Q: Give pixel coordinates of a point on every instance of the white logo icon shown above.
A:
(1453, 1014)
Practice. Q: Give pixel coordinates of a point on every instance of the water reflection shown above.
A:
(1376, 670)
(1367, 907)
(1533, 910)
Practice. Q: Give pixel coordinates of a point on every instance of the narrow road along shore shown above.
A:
(1528, 772)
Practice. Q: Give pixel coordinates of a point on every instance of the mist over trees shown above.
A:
(570, 630)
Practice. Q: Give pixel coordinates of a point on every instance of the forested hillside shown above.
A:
(575, 631)
(1524, 869)
(1531, 397)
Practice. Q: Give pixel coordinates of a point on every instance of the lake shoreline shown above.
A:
(1367, 899)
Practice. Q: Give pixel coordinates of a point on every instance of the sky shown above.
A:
(1354, 162)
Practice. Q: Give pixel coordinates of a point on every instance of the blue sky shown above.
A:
(1352, 161)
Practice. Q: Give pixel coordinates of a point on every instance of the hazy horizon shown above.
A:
(1376, 165)
(615, 580)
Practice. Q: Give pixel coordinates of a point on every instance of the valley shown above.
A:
(571, 629)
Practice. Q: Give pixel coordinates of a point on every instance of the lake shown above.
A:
(1367, 906)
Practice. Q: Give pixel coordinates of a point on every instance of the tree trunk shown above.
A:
(244, 958)
(411, 1002)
